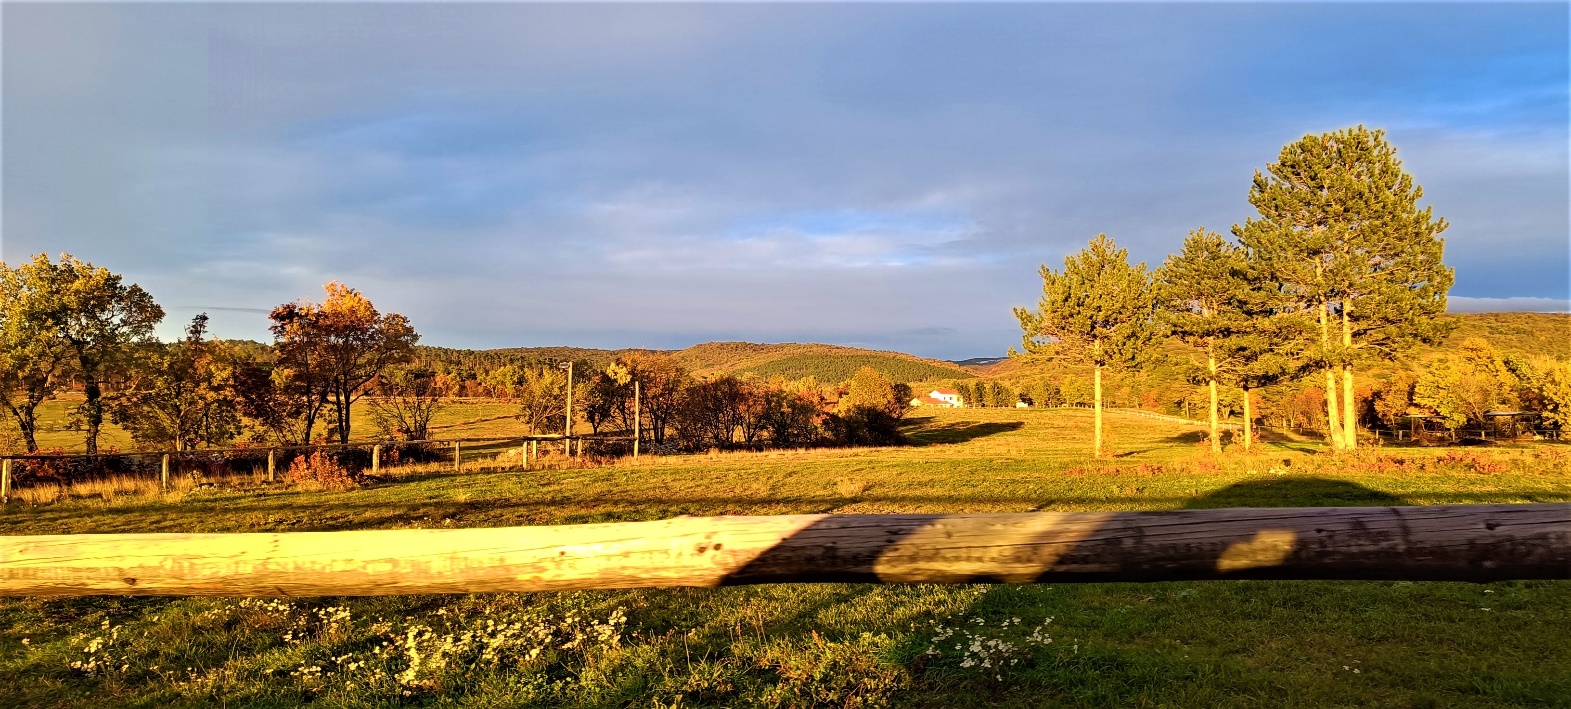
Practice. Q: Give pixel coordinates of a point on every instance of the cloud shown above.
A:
(538, 174)
(1463, 304)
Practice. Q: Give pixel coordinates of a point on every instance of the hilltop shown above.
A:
(829, 363)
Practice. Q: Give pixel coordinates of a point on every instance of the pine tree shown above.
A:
(1203, 289)
(1100, 311)
(1341, 230)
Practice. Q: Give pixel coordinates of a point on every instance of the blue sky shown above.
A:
(884, 175)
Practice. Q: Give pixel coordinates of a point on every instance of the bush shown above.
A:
(64, 471)
(322, 470)
(864, 426)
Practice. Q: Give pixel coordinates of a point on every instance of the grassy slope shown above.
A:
(1185, 644)
(823, 361)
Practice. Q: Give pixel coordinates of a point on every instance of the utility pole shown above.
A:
(638, 424)
(567, 426)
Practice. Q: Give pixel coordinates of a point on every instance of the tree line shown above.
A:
(68, 324)
(1340, 270)
(650, 394)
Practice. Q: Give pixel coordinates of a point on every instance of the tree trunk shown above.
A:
(26, 417)
(1249, 424)
(1349, 418)
(1333, 422)
(1474, 543)
(1216, 440)
(1096, 388)
(94, 409)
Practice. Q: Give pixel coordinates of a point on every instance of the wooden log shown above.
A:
(163, 474)
(272, 464)
(1459, 543)
(376, 459)
(5, 480)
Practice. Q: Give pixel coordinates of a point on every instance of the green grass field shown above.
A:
(1235, 643)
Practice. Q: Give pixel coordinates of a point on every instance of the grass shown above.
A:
(461, 418)
(1174, 644)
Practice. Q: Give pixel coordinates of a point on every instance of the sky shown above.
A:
(648, 175)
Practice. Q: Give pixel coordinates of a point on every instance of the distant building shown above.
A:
(945, 398)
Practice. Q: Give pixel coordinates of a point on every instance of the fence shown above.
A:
(266, 462)
(1458, 543)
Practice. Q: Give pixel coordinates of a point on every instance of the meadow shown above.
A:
(1225, 643)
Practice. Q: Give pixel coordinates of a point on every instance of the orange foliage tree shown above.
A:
(330, 351)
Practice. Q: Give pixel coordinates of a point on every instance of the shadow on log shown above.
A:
(1456, 543)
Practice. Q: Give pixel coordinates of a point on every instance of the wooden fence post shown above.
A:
(376, 458)
(458, 456)
(5, 480)
(163, 474)
(272, 463)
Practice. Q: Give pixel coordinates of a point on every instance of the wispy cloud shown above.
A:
(892, 174)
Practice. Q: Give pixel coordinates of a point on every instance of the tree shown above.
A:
(407, 398)
(179, 394)
(868, 388)
(1099, 311)
(34, 362)
(1203, 289)
(98, 319)
(335, 348)
(606, 394)
(661, 380)
(542, 398)
(272, 402)
(1341, 230)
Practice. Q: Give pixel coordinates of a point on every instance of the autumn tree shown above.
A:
(1341, 230)
(98, 318)
(34, 362)
(275, 404)
(332, 350)
(868, 388)
(405, 399)
(606, 395)
(541, 394)
(178, 394)
(1099, 311)
(661, 380)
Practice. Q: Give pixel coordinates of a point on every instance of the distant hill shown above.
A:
(829, 363)
(1526, 333)
(978, 361)
(1529, 333)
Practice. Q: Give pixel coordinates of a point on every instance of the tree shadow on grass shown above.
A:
(961, 432)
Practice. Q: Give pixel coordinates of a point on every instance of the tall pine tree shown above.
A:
(1341, 231)
(1202, 289)
(1099, 311)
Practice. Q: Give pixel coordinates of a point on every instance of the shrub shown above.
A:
(864, 426)
(322, 471)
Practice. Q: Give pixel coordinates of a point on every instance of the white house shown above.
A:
(940, 397)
